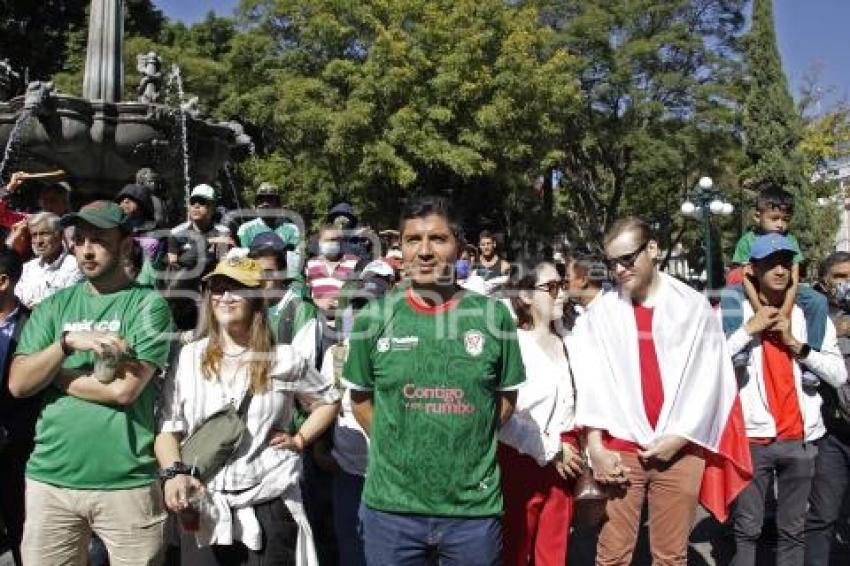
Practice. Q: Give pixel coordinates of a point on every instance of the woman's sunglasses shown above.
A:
(219, 288)
(553, 287)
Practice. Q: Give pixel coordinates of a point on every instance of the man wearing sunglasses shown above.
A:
(657, 395)
(198, 238)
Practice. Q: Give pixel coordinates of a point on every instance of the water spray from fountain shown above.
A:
(175, 80)
(12, 144)
(229, 176)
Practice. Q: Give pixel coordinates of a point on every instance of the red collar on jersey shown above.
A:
(422, 307)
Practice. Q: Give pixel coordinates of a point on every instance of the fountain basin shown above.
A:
(101, 144)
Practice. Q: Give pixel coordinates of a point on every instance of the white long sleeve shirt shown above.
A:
(40, 279)
(827, 364)
(545, 405)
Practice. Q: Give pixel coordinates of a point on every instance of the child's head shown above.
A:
(774, 208)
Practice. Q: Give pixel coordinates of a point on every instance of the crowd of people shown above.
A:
(233, 389)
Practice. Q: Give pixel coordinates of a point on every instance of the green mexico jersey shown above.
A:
(434, 375)
(745, 244)
(85, 445)
(287, 231)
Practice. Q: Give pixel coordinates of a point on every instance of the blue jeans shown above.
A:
(832, 477)
(349, 532)
(814, 305)
(393, 539)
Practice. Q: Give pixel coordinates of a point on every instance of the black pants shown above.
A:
(280, 535)
(793, 462)
(832, 478)
(14, 457)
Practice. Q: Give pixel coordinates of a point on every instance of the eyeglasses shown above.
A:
(627, 260)
(198, 202)
(219, 288)
(553, 287)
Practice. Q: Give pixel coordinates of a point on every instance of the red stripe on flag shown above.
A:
(730, 469)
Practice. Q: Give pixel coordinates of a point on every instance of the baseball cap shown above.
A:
(267, 242)
(267, 189)
(243, 270)
(378, 267)
(769, 244)
(101, 214)
(203, 191)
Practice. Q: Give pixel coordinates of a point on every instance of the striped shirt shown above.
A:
(327, 281)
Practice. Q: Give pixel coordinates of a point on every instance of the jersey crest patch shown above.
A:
(473, 341)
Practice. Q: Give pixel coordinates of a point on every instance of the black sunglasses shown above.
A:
(553, 287)
(219, 286)
(198, 201)
(626, 260)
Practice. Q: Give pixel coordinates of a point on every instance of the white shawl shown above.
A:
(696, 371)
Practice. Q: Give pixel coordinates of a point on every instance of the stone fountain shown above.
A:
(102, 141)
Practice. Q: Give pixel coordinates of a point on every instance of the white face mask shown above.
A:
(329, 249)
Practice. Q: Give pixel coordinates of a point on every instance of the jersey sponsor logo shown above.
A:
(96, 325)
(403, 343)
(473, 341)
(436, 400)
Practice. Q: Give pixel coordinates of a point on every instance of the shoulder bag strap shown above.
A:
(243, 406)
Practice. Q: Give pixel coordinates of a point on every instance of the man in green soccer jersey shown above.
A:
(433, 372)
(93, 467)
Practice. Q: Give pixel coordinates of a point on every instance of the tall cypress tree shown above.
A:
(772, 126)
(772, 130)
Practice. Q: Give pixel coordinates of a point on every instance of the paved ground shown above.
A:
(711, 545)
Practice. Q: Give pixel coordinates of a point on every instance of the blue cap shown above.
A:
(267, 242)
(769, 244)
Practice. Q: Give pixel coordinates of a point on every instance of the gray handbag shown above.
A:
(211, 445)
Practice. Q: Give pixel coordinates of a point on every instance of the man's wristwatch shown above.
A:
(177, 469)
(804, 352)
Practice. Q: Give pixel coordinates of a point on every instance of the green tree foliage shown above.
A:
(658, 85)
(773, 130)
(373, 101)
(34, 39)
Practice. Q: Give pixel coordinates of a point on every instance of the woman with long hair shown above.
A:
(538, 450)
(250, 511)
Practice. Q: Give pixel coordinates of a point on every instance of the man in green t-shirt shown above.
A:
(433, 372)
(93, 349)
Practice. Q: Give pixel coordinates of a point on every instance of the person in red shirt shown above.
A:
(656, 393)
(783, 417)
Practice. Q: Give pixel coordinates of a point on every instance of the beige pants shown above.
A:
(671, 492)
(60, 521)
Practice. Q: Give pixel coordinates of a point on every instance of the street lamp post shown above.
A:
(703, 202)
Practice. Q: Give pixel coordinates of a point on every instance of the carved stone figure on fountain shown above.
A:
(150, 86)
(8, 80)
(152, 180)
(100, 140)
(192, 107)
(37, 97)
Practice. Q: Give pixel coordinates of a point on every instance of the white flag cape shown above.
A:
(700, 390)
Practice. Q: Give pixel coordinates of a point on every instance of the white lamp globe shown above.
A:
(688, 208)
(728, 208)
(716, 207)
(706, 183)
